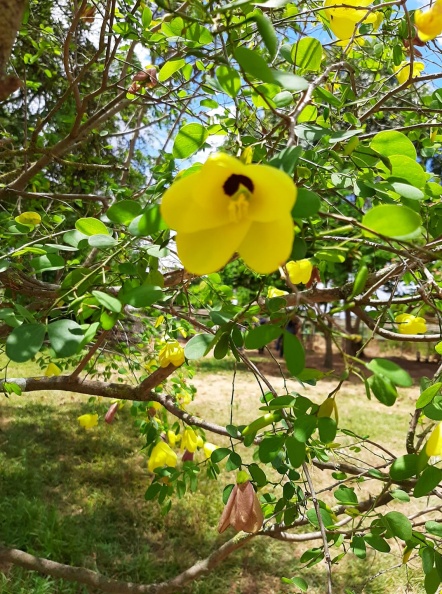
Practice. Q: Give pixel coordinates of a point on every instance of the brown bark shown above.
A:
(11, 17)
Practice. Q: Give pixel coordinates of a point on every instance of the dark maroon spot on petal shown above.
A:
(231, 186)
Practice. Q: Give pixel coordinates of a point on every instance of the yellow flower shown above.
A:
(429, 23)
(274, 292)
(434, 443)
(52, 369)
(403, 71)
(409, 324)
(88, 421)
(208, 448)
(189, 440)
(161, 455)
(342, 21)
(299, 271)
(159, 321)
(173, 438)
(227, 207)
(172, 352)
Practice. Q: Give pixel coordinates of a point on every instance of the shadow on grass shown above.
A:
(77, 497)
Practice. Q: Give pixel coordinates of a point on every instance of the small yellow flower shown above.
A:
(227, 207)
(434, 443)
(159, 321)
(343, 21)
(199, 441)
(88, 421)
(403, 71)
(409, 324)
(162, 455)
(173, 438)
(208, 448)
(189, 440)
(299, 271)
(274, 292)
(429, 23)
(172, 352)
(52, 369)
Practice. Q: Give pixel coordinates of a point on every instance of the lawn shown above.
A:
(77, 496)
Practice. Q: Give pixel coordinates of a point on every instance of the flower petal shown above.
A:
(209, 250)
(183, 213)
(274, 193)
(267, 246)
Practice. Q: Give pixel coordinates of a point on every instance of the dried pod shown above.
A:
(243, 511)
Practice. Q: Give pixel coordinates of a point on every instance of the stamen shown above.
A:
(239, 205)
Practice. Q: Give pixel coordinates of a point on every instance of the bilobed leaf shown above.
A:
(327, 428)
(428, 480)
(102, 241)
(398, 524)
(407, 191)
(229, 80)
(288, 80)
(189, 139)
(65, 337)
(147, 223)
(358, 547)
(267, 32)
(91, 226)
(307, 204)
(169, 69)
(295, 451)
(252, 63)
(307, 54)
(142, 296)
(383, 389)
(219, 454)
(391, 142)
(428, 394)
(392, 220)
(294, 354)
(25, 341)
(408, 170)
(109, 302)
(377, 542)
(47, 262)
(387, 368)
(123, 212)
(198, 346)
(262, 335)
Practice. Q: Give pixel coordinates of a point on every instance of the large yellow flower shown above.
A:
(229, 207)
(161, 455)
(429, 23)
(409, 324)
(342, 21)
(433, 446)
(403, 71)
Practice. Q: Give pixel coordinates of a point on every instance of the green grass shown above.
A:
(77, 497)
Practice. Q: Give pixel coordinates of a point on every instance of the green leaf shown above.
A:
(109, 302)
(198, 346)
(169, 69)
(358, 547)
(327, 428)
(152, 491)
(392, 220)
(288, 81)
(432, 582)
(377, 542)
(25, 341)
(267, 32)
(102, 241)
(400, 495)
(270, 447)
(47, 262)
(303, 427)
(404, 467)
(398, 524)
(147, 223)
(387, 368)
(219, 454)
(229, 80)
(391, 142)
(258, 475)
(407, 191)
(346, 496)
(383, 389)
(300, 583)
(295, 451)
(287, 159)
(434, 528)
(429, 480)
(65, 337)
(283, 99)
(123, 212)
(146, 17)
(189, 139)
(427, 395)
(143, 296)
(307, 204)
(91, 226)
(307, 54)
(406, 169)
(260, 336)
(325, 515)
(252, 63)
(294, 354)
